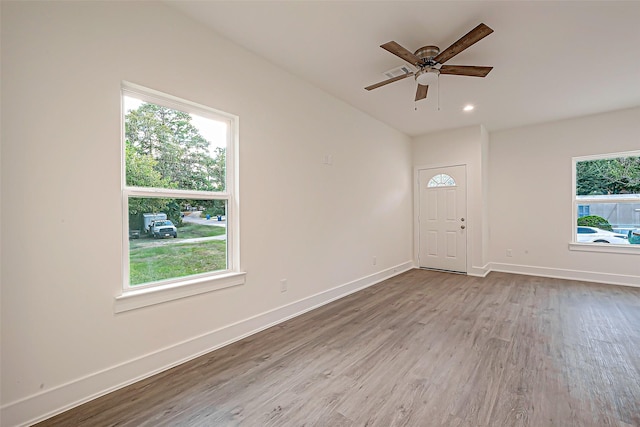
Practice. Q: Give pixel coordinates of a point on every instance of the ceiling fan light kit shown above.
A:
(427, 76)
(429, 60)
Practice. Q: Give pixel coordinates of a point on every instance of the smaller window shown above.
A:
(583, 210)
(441, 180)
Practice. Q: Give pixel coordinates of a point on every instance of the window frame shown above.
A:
(596, 247)
(142, 295)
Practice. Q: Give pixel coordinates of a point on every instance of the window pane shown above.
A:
(610, 223)
(167, 148)
(173, 238)
(441, 180)
(608, 176)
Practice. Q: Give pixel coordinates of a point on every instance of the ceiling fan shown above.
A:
(428, 60)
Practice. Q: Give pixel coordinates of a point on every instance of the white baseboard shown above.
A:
(559, 273)
(479, 271)
(46, 404)
(473, 271)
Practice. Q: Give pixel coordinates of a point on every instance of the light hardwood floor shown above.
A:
(421, 349)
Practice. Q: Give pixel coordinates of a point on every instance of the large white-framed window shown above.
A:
(606, 206)
(179, 198)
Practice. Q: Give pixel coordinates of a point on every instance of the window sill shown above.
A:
(605, 248)
(138, 298)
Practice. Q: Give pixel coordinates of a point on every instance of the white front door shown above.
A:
(442, 219)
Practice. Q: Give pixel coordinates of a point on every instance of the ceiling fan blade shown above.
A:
(401, 52)
(472, 37)
(421, 93)
(386, 82)
(465, 70)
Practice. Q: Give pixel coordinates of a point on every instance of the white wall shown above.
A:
(456, 147)
(317, 226)
(531, 196)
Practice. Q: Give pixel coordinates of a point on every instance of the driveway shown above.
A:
(194, 217)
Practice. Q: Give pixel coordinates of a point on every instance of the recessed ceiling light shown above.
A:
(468, 107)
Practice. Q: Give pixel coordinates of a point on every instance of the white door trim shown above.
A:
(416, 209)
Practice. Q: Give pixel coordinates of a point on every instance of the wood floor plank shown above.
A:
(421, 349)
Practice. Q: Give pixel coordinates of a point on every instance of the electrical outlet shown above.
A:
(509, 252)
(283, 285)
(375, 260)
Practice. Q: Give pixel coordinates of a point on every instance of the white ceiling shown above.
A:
(552, 60)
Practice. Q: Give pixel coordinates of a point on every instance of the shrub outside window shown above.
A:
(607, 199)
(179, 201)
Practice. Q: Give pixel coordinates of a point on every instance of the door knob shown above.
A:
(463, 227)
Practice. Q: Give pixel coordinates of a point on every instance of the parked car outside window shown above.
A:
(596, 235)
(163, 228)
(634, 237)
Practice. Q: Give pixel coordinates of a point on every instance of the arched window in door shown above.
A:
(441, 180)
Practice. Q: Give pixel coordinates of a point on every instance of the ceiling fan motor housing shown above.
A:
(427, 66)
(427, 53)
